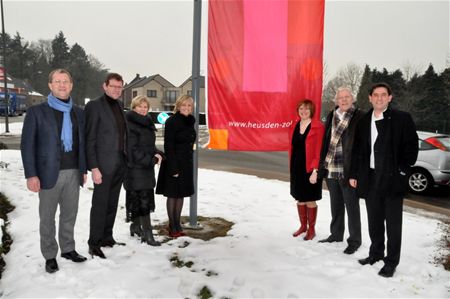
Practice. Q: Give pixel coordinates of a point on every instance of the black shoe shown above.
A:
(148, 238)
(387, 271)
(351, 249)
(97, 252)
(111, 243)
(73, 256)
(51, 266)
(369, 260)
(135, 228)
(329, 240)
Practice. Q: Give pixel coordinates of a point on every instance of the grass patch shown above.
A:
(210, 273)
(176, 262)
(204, 293)
(5, 208)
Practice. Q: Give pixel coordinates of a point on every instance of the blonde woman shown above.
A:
(140, 177)
(176, 176)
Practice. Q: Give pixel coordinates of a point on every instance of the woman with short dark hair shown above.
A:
(306, 187)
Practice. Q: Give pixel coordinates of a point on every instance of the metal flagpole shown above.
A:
(6, 99)
(196, 96)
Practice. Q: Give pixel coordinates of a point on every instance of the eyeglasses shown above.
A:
(115, 86)
(59, 82)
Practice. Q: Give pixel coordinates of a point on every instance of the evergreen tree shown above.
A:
(413, 92)
(8, 50)
(19, 58)
(40, 67)
(362, 99)
(79, 68)
(398, 86)
(96, 75)
(445, 77)
(60, 50)
(432, 107)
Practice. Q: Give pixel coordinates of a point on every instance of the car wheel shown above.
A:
(419, 181)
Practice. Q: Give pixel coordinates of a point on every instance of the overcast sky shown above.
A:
(150, 37)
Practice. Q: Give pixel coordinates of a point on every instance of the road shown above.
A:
(272, 165)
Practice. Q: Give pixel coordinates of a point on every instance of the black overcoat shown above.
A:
(141, 152)
(102, 136)
(179, 138)
(395, 149)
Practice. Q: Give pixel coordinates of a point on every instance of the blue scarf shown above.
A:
(66, 131)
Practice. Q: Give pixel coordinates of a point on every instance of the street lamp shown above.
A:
(4, 71)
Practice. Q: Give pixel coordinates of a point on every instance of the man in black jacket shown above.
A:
(334, 166)
(385, 148)
(106, 143)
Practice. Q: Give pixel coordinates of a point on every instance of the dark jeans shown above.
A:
(104, 207)
(381, 209)
(344, 197)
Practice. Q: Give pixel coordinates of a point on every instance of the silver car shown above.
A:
(433, 162)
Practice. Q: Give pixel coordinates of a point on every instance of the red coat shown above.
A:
(313, 144)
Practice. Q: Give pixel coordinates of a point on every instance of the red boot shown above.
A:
(301, 209)
(312, 215)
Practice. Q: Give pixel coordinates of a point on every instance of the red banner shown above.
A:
(263, 57)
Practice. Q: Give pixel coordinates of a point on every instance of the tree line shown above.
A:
(426, 96)
(33, 61)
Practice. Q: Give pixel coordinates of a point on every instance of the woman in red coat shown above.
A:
(306, 188)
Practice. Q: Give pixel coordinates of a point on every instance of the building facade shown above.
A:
(161, 92)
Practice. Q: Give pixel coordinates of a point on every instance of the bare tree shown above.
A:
(350, 75)
(43, 47)
(325, 72)
(409, 69)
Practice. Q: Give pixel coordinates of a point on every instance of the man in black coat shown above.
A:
(385, 148)
(334, 166)
(106, 144)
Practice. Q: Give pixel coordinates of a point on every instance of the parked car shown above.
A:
(433, 162)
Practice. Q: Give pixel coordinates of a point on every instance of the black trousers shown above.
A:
(383, 209)
(343, 197)
(104, 206)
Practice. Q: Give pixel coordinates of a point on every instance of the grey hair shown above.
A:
(342, 88)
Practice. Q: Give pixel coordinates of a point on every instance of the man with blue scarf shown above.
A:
(54, 162)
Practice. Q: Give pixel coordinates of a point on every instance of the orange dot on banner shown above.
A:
(311, 69)
(218, 139)
(221, 69)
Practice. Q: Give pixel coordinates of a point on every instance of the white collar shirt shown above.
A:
(373, 137)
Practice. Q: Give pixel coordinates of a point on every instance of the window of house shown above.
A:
(171, 96)
(134, 93)
(189, 92)
(151, 93)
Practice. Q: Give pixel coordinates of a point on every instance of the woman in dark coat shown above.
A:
(140, 177)
(176, 176)
(306, 187)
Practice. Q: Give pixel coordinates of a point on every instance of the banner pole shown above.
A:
(196, 96)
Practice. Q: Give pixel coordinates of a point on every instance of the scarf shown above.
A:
(334, 161)
(66, 130)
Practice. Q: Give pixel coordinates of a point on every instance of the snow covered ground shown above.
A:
(259, 257)
(14, 128)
